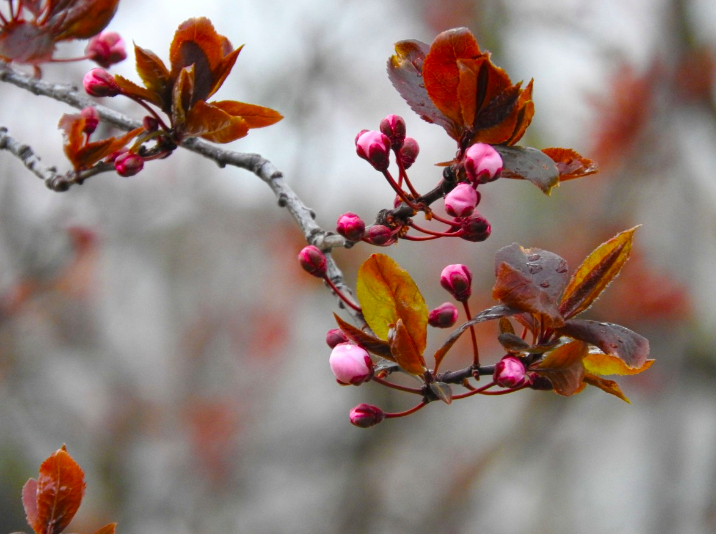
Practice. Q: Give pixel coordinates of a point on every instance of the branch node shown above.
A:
(282, 200)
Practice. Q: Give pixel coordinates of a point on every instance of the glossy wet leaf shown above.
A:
(405, 71)
(563, 366)
(253, 116)
(490, 314)
(370, 343)
(405, 350)
(529, 164)
(598, 363)
(596, 273)
(517, 290)
(545, 269)
(60, 488)
(386, 293)
(441, 72)
(612, 339)
(608, 386)
(570, 163)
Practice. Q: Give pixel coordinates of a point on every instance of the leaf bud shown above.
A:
(91, 117)
(380, 235)
(462, 200)
(475, 228)
(365, 416)
(128, 164)
(509, 372)
(394, 127)
(335, 336)
(313, 261)
(150, 123)
(408, 153)
(444, 316)
(374, 147)
(350, 226)
(106, 49)
(99, 82)
(482, 163)
(457, 280)
(350, 364)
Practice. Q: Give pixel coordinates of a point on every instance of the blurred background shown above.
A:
(161, 328)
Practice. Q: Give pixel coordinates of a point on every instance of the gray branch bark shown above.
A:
(255, 163)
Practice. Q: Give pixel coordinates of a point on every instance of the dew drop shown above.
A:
(544, 284)
(534, 257)
(534, 269)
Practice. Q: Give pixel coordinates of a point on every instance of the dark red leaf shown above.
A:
(25, 42)
(370, 343)
(405, 70)
(517, 290)
(80, 19)
(29, 501)
(547, 270)
(613, 339)
(529, 164)
(60, 488)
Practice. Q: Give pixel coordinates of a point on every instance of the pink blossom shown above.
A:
(365, 416)
(462, 200)
(313, 261)
(350, 364)
(457, 280)
(509, 372)
(128, 164)
(350, 226)
(375, 148)
(99, 82)
(106, 49)
(482, 163)
(444, 316)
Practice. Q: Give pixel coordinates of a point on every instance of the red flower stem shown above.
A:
(524, 332)
(478, 391)
(3, 19)
(431, 232)
(399, 191)
(442, 219)
(404, 175)
(475, 351)
(341, 295)
(504, 391)
(420, 238)
(407, 412)
(13, 14)
(149, 109)
(396, 386)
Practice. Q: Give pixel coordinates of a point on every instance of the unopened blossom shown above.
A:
(374, 147)
(461, 201)
(457, 280)
(350, 364)
(482, 163)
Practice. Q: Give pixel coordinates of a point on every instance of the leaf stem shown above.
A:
(149, 109)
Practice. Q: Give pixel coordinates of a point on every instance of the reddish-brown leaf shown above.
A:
(80, 19)
(254, 116)
(29, 501)
(596, 273)
(497, 120)
(529, 164)
(91, 153)
(563, 366)
(370, 343)
(26, 42)
(570, 163)
(72, 126)
(107, 529)
(545, 269)
(405, 350)
(608, 386)
(525, 112)
(612, 339)
(182, 93)
(405, 70)
(516, 290)
(60, 488)
(387, 293)
(442, 74)
(220, 73)
(132, 89)
(155, 76)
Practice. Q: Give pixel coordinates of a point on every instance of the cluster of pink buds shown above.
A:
(106, 49)
(375, 146)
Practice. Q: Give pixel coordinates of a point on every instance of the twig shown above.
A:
(260, 166)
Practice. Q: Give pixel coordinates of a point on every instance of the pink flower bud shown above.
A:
(509, 372)
(461, 201)
(380, 235)
(365, 416)
(375, 148)
(350, 364)
(313, 261)
(106, 49)
(91, 118)
(409, 152)
(482, 163)
(394, 127)
(128, 164)
(358, 136)
(99, 82)
(444, 316)
(475, 228)
(350, 226)
(335, 336)
(457, 280)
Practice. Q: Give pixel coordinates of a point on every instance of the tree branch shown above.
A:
(255, 163)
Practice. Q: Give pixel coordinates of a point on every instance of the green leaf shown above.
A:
(386, 293)
(596, 273)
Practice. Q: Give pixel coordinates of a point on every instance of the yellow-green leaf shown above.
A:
(605, 364)
(386, 293)
(596, 273)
